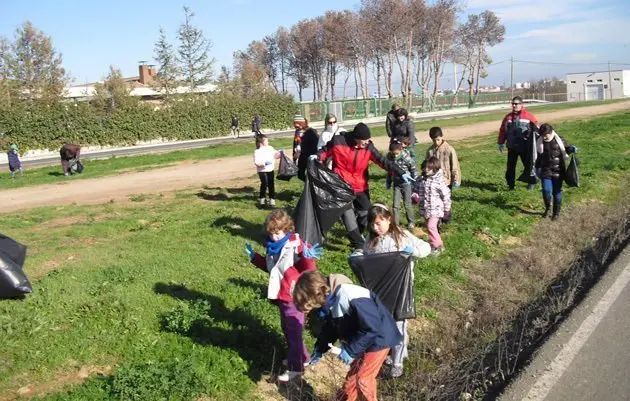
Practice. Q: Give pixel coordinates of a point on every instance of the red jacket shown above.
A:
(285, 269)
(352, 162)
(525, 118)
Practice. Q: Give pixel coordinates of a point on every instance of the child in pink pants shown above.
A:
(434, 197)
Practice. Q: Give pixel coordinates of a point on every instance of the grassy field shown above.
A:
(157, 295)
(118, 165)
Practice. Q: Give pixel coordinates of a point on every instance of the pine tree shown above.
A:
(166, 79)
(193, 52)
(35, 66)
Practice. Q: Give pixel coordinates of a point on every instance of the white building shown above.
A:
(598, 85)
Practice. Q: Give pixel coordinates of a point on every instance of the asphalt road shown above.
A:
(588, 357)
(169, 147)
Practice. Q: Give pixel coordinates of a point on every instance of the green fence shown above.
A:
(360, 108)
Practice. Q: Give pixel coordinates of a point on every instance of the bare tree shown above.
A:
(283, 40)
(441, 19)
(484, 30)
(334, 28)
(271, 59)
(250, 73)
(193, 50)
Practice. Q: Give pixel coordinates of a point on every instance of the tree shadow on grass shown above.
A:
(297, 390)
(312, 324)
(249, 337)
(55, 173)
(241, 227)
(484, 186)
(247, 193)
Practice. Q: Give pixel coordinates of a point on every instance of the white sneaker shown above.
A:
(285, 363)
(289, 375)
(397, 371)
(261, 201)
(272, 202)
(357, 252)
(334, 350)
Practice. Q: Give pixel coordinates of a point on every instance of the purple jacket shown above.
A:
(14, 160)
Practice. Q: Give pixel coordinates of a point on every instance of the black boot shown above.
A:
(547, 206)
(556, 210)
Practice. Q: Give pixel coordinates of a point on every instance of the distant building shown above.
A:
(598, 85)
(140, 86)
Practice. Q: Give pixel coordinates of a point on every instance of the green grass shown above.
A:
(118, 165)
(161, 288)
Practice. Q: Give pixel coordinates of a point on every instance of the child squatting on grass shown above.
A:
(357, 317)
(552, 154)
(15, 164)
(434, 197)
(264, 156)
(400, 155)
(387, 236)
(287, 256)
(447, 156)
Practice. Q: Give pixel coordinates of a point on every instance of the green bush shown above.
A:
(34, 126)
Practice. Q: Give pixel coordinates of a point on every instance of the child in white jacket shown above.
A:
(387, 236)
(264, 158)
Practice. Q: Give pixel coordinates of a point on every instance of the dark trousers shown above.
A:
(403, 192)
(355, 219)
(510, 172)
(267, 182)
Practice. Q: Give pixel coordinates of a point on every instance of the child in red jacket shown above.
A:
(286, 258)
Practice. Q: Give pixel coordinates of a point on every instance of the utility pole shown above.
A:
(512, 76)
(610, 81)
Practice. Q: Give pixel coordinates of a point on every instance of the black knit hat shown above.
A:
(361, 132)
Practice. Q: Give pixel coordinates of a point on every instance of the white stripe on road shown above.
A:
(545, 383)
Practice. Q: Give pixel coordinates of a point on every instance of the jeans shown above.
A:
(552, 187)
(267, 182)
(510, 172)
(403, 191)
(399, 352)
(292, 323)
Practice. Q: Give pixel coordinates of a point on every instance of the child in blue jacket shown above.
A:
(354, 315)
(15, 164)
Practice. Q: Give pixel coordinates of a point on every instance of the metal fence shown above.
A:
(374, 107)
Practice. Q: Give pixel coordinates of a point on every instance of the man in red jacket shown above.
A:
(517, 129)
(351, 153)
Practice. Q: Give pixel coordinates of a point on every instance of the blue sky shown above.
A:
(578, 35)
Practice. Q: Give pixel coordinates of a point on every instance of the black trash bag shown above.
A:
(529, 173)
(324, 199)
(287, 168)
(572, 175)
(75, 166)
(13, 281)
(308, 147)
(390, 276)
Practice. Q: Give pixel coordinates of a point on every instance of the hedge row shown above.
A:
(34, 126)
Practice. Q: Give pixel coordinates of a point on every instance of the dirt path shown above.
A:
(217, 172)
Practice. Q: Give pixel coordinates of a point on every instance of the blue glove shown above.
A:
(407, 178)
(321, 314)
(456, 184)
(572, 149)
(315, 252)
(313, 157)
(408, 250)
(249, 250)
(345, 356)
(388, 185)
(315, 357)
(268, 163)
(501, 148)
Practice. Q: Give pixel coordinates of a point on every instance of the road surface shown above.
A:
(587, 359)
